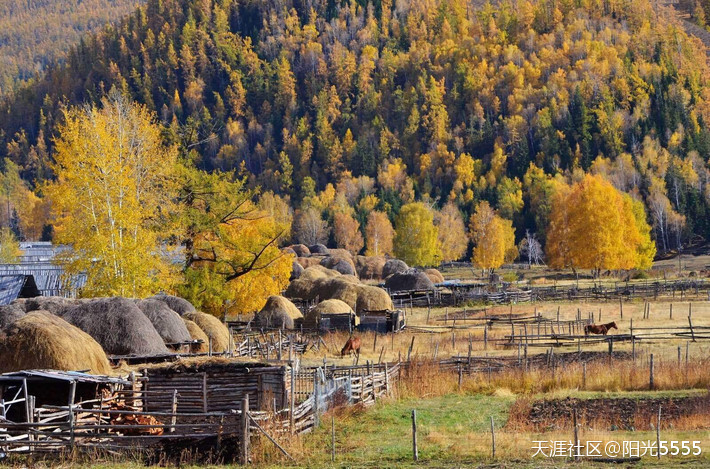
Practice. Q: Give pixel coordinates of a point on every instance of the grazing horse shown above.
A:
(599, 329)
(352, 345)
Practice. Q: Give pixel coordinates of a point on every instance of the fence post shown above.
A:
(650, 375)
(671, 311)
(493, 439)
(415, 450)
(584, 375)
(292, 399)
(244, 447)
(692, 332)
(332, 437)
(374, 344)
(72, 395)
(173, 419)
(658, 433)
(315, 396)
(576, 434)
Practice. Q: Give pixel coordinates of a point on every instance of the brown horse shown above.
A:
(599, 329)
(352, 345)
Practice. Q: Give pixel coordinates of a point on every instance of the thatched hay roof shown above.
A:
(340, 264)
(277, 312)
(197, 334)
(118, 325)
(412, 279)
(320, 249)
(296, 270)
(167, 322)
(332, 306)
(53, 304)
(370, 267)
(371, 298)
(10, 313)
(41, 340)
(301, 250)
(177, 304)
(434, 275)
(393, 266)
(212, 327)
(307, 262)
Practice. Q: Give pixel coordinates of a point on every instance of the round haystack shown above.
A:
(318, 272)
(10, 313)
(307, 262)
(371, 298)
(277, 312)
(301, 250)
(41, 340)
(340, 264)
(53, 304)
(339, 252)
(118, 325)
(350, 278)
(393, 266)
(288, 250)
(331, 306)
(336, 288)
(434, 275)
(197, 334)
(167, 322)
(213, 328)
(411, 279)
(370, 268)
(296, 270)
(300, 288)
(177, 304)
(319, 250)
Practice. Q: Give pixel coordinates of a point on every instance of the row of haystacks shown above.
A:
(66, 334)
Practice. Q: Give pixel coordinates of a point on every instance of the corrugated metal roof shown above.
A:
(37, 259)
(16, 286)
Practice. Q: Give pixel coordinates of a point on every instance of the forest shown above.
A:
(335, 111)
(35, 34)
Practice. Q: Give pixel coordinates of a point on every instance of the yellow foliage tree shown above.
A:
(9, 247)
(595, 226)
(113, 188)
(416, 238)
(379, 234)
(452, 233)
(493, 238)
(347, 232)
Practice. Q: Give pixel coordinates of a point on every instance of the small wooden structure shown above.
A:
(382, 321)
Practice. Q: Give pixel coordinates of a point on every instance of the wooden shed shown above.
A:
(216, 385)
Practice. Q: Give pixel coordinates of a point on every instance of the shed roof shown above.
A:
(57, 375)
(17, 286)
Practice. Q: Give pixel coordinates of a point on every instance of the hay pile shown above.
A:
(288, 250)
(370, 267)
(197, 334)
(371, 298)
(167, 322)
(319, 250)
(118, 325)
(411, 279)
(10, 313)
(296, 270)
(177, 304)
(212, 327)
(41, 340)
(332, 306)
(307, 262)
(338, 252)
(336, 288)
(53, 304)
(340, 264)
(434, 275)
(393, 266)
(277, 312)
(301, 250)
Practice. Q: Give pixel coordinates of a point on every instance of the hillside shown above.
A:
(34, 34)
(393, 102)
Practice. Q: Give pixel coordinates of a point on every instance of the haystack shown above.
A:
(371, 298)
(296, 270)
(277, 312)
(318, 272)
(300, 288)
(301, 250)
(167, 322)
(339, 252)
(118, 325)
(41, 340)
(319, 250)
(332, 306)
(177, 304)
(288, 250)
(411, 279)
(307, 262)
(213, 328)
(393, 266)
(370, 267)
(434, 275)
(197, 334)
(336, 288)
(10, 313)
(340, 264)
(53, 304)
